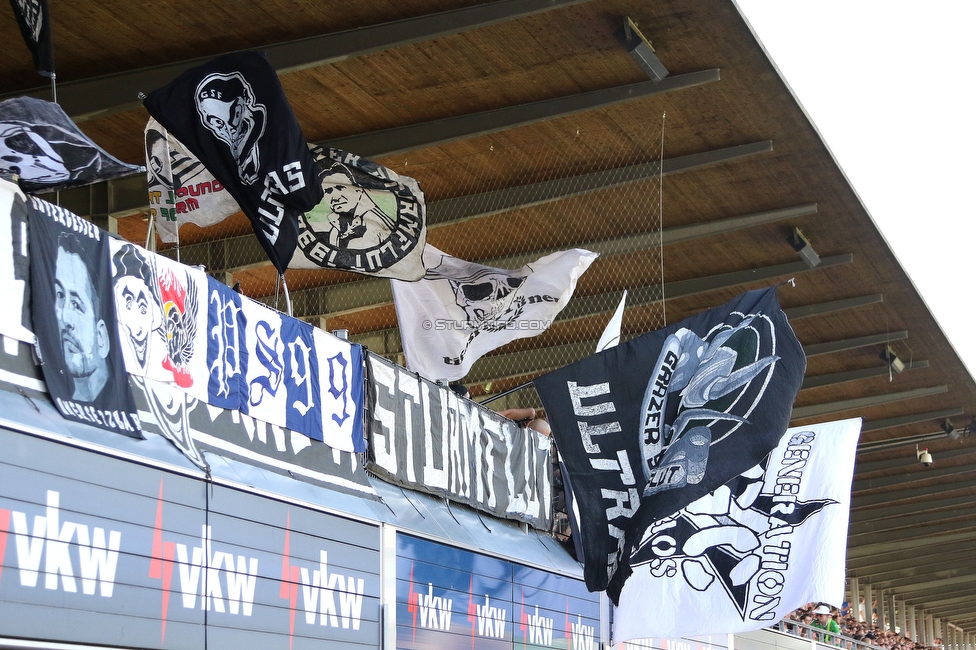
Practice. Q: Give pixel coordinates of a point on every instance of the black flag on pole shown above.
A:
(34, 20)
(232, 114)
(651, 425)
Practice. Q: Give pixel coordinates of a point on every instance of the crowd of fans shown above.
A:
(819, 621)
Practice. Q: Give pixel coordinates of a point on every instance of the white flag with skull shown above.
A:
(462, 310)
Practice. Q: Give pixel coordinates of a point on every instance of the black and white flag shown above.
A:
(747, 554)
(181, 189)
(655, 423)
(462, 310)
(75, 322)
(44, 150)
(34, 21)
(371, 221)
(232, 114)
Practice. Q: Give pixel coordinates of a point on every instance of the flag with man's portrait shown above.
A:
(74, 320)
(371, 220)
(652, 424)
(232, 115)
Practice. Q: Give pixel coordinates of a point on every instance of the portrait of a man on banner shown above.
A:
(75, 322)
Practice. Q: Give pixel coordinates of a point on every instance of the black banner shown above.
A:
(74, 320)
(651, 425)
(423, 436)
(34, 21)
(232, 114)
(42, 147)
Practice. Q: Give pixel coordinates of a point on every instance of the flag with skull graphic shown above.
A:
(43, 149)
(649, 426)
(747, 554)
(232, 114)
(462, 310)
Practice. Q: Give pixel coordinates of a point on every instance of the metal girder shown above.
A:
(248, 254)
(908, 460)
(915, 570)
(914, 418)
(863, 402)
(876, 514)
(854, 375)
(795, 313)
(88, 98)
(961, 575)
(933, 588)
(867, 501)
(910, 518)
(852, 344)
(868, 564)
(918, 472)
(886, 546)
(920, 535)
(438, 132)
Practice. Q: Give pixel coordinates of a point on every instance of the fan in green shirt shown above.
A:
(825, 622)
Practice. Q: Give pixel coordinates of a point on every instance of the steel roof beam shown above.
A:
(911, 518)
(914, 494)
(89, 98)
(916, 472)
(439, 132)
(876, 514)
(914, 418)
(852, 344)
(855, 375)
(248, 254)
(815, 410)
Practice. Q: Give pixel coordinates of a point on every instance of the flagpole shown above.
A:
(54, 87)
(284, 286)
(505, 393)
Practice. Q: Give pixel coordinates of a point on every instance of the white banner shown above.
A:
(462, 310)
(752, 551)
(181, 189)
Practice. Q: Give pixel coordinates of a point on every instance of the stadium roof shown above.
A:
(437, 88)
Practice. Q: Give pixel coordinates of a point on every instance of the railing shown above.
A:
(818, 635)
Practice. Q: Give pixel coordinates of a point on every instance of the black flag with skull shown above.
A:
(232, 114)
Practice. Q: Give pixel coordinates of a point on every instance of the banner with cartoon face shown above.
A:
(649, 426)
(371, 221)
(746, 555)
(74, 320)
(42, 147)
(181, 189)
(232, 115)
(461, 310)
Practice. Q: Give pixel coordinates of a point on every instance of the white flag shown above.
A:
(611, 335)
(744, 556)
(461, 310)
(181, 189)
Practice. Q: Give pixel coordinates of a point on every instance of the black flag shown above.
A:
(75, 321)
(35, 25)
(232, 114)
(651, 425)
(45, 150)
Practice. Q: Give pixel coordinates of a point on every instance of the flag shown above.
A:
(75, 322)
(34, 21)
(181, 189)
(652, 424)
(462, 310)
(232, 114)
(42, 147)
(744, 556)
(611, 334)
(371, 221)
